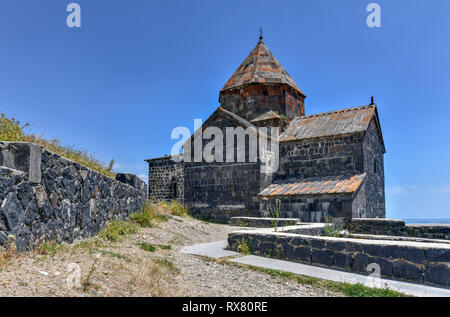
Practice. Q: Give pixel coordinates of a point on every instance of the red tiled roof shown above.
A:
(329, 185)
(260, 66)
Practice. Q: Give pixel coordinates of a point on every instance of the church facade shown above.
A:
(328, 164)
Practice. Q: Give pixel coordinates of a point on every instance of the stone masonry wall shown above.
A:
(374, 169)
(410, 261)
(321, 157)
(392, 227)
(47, 197)
(165, 179)
(254, 100)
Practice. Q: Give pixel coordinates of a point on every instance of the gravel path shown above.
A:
(124, 269)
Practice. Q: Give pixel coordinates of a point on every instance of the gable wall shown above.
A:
(220, 190)
(375, 191)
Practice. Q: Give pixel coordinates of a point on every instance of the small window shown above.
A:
(375, 165)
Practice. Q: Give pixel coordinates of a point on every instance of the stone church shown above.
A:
(329, 164)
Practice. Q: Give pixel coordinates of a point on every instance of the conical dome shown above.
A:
(260, 67)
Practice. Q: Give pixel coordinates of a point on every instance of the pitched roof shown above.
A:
(234, 119)
(333, 123)
(269, 115)
(260, 66)
(329, 185)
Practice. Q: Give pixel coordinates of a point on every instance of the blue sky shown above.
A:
(136, 69)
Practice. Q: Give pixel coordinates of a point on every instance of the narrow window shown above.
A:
(375, 165)
(175, 190)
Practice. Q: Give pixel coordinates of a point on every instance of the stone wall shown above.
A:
(47, 197)
(261, 222)
(165, 179)
(411, 261)
(373, 155)
(316, 208)
(392, 227)
(253, 100)
(219, 191)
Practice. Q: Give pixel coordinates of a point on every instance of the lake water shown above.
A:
(428, 220)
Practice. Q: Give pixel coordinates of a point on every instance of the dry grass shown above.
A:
(13, 130)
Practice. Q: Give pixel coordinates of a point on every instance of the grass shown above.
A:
(117, 229)
(351, 290)
(7, 253)
(50, 248)
(151, 212)
(147, 246)
(13, 130)
(152, 248)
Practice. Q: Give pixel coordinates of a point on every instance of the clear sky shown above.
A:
(136, 69)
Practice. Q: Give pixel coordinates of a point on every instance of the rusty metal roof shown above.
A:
(269, 115)
(340, 122)
(262, 67)
(329, 185)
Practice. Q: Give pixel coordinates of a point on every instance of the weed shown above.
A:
(243, 246)
(274, 211)
(87, 281)
(50, 248)
(117, 229)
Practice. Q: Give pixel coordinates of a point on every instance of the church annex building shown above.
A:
(330, 164)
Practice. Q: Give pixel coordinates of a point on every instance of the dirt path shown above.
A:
(125, 269)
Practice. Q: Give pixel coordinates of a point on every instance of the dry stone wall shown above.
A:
(47, 197)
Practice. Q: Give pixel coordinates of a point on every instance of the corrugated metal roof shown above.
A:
(260, 66)
(329, 185)
(340, 122)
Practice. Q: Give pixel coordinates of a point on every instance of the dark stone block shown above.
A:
(302, 254)
(323, 257)
(267, 248)
(3, 238)
(23, 239)
(343, 260)
(316, 243)
(372, 250)
(414, 255)
(25, 193)
(353, 247)
(298, 241)
(407, 271)
(391, 252)
(360, 263)
(286, 251)
(31, 212)
(437, 274)
(13, 213)
(335, 245)
(386, 266)
(438, 255)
